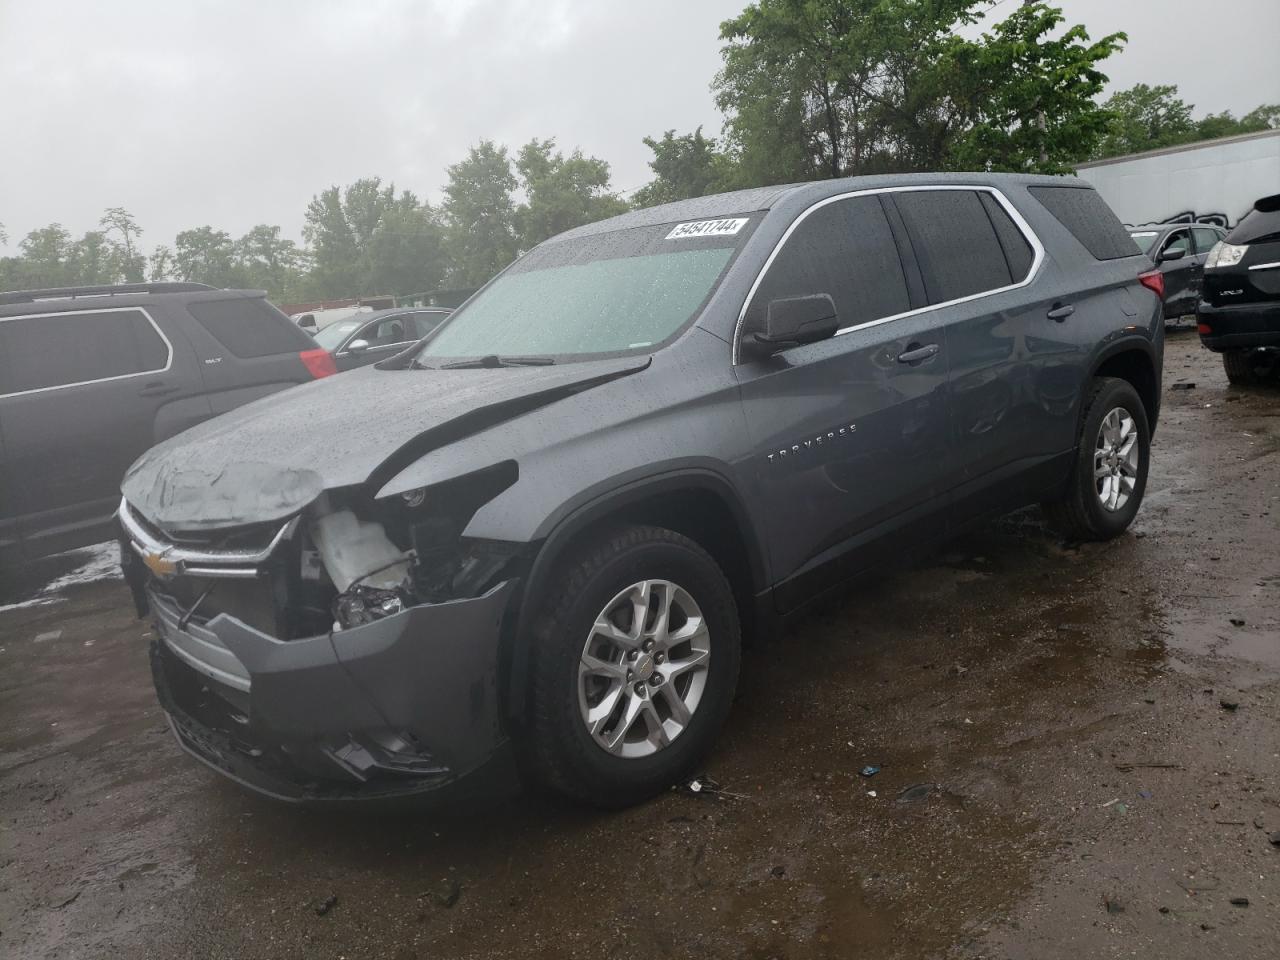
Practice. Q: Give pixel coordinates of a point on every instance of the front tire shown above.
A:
(634, 664)
(1109, 474)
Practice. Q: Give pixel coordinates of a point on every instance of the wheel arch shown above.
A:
(699, 503)
(1133, 360)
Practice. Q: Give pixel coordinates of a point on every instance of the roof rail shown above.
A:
(54, 293)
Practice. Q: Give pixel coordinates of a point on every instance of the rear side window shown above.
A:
(844, 249)
(1082, 211)
(250, 327)
(956, 243)
(1205, 239)
(1017, 251)
(61, 349)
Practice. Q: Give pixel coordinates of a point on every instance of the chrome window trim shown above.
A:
(1037, 259)
(168, 363)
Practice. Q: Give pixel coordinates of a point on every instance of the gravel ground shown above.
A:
(1093, 735)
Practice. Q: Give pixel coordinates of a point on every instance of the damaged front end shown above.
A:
(352, 650)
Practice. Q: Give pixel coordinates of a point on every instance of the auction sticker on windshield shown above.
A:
(707, 228)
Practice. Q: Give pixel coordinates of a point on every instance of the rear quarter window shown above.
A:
(1259, 225)
(1083, 212)
(250, 327)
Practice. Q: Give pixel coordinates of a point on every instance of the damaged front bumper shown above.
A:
(405, 704)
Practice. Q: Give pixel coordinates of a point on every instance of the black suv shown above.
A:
(1179, 251)
(1239, 314)
(555, 519)
(90, 377)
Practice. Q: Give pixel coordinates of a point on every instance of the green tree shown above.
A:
(268, 261)
(405, 252)
(122, 231)
(561, 192)
(689, 165)
(205, 255)
(480, 215)
(160, 265)
(1145, 118)
(366, 239)
(45, 256)
(1265, 117)
(824, 88)
(94, 260)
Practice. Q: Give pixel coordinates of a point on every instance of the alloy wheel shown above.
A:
(1116, 457)
(643, 669)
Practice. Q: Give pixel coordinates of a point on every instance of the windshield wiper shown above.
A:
(493, 361)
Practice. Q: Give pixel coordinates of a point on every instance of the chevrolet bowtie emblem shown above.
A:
(160, 564)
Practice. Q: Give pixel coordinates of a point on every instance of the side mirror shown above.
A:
(1173, 253)
(792, 321)
(307, 322)
(359, 345)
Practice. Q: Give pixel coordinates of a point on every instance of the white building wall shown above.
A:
(1220, 176)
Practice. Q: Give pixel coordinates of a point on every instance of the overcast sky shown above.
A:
(235, 112)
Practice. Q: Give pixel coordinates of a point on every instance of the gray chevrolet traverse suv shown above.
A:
(554, 520)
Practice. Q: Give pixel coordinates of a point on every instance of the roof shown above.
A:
(1179, 148)
(765, 198)
(110, 290)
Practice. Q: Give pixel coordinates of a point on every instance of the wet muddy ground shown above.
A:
(1093, 732)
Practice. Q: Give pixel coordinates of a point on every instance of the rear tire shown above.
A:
(580, 669)
(1246, 367)
(1109, 474)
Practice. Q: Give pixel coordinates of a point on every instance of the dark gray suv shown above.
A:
(554, 521)
(90, 377)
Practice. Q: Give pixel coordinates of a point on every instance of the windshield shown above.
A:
(335, 333)
(1145, 239)
(629, 290)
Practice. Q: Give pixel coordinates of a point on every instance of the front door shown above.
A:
(849, 433)
(1180, 274)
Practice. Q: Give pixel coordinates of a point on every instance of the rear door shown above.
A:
(850, 433)
(1181, 275)
(79, 396)
(246, 347)
(977, 255)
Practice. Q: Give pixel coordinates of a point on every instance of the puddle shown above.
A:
(44, 581)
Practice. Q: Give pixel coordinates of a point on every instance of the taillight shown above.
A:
(1205, 329)
(319, 363)
(1153, 280)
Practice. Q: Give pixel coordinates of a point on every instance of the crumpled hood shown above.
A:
(270, 458)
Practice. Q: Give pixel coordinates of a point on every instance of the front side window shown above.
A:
(956, 243)
(626, 291)
(1179, 238)
(57, 350)
(388, 332)
(844, 249)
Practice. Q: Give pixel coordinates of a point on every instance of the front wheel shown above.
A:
(1109, 474)
(634, 665)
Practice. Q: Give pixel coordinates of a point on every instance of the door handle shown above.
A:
(1061, 311)
(158, 388)
(915, 352)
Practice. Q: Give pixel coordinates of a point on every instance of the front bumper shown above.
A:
(1239, 326)
(403, 705)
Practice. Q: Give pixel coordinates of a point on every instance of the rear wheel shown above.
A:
(1109, 475)
(1245, 367)
(635, 661)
